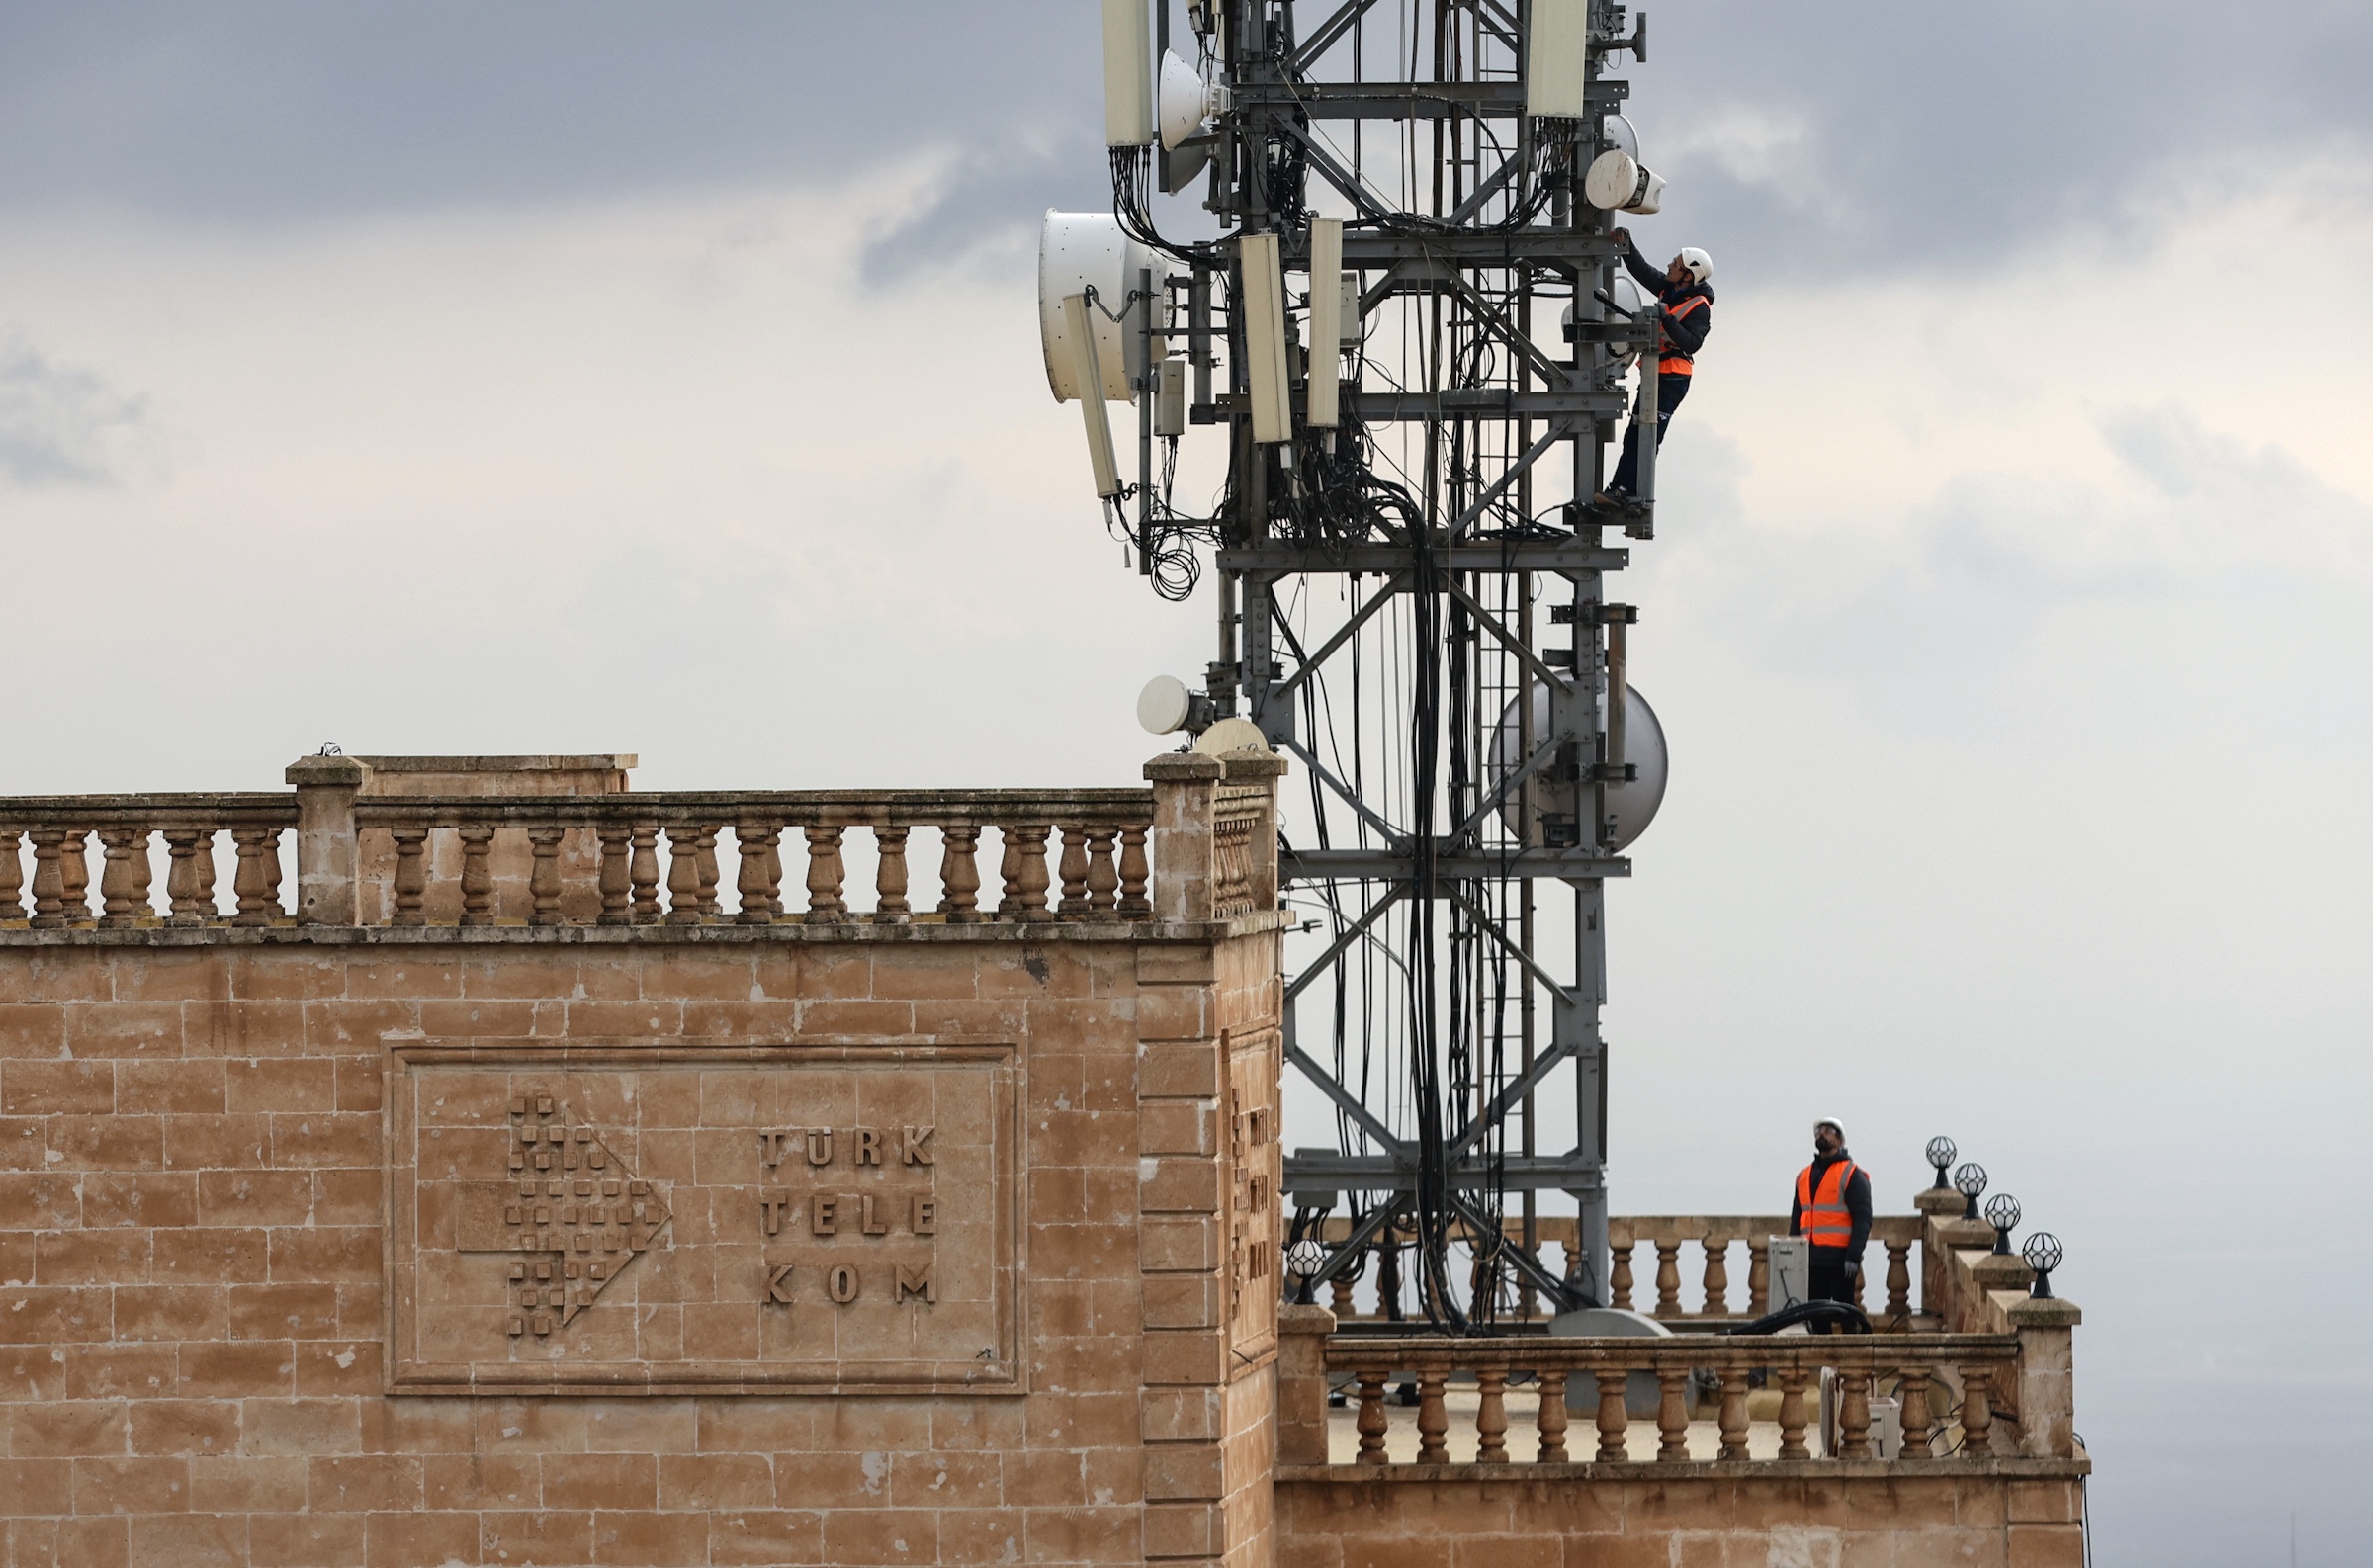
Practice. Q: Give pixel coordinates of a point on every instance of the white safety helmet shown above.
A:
(1699, 265)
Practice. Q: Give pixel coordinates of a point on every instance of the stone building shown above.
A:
(496, 1195)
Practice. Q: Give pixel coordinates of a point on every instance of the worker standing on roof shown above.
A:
(1832, 1210)
(1684, 313)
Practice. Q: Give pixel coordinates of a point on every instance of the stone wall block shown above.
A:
(1181, 1072)
(1183, 1471)
(1182, 1301)
(1179, 1185)
(1183, 1530)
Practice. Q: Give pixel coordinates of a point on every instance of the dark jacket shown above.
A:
(1688, 334)
(1858, 1202)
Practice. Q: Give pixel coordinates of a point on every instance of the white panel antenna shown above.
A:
(1129, 74)
(1326, 332)
(1267, 367)
(1092, 409)
(1557, 60)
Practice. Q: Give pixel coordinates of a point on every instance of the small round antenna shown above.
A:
(1167, 706)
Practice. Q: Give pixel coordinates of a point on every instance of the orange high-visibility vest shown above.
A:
(1674, 362)
(1822, 1216)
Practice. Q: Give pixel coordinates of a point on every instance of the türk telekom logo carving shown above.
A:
(574, 1216)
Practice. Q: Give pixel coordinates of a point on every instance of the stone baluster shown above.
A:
(1672, 1416)
(1759, 1276)
(11, 876)
(142, 872)
(1977, 1411)
(1433, 1416)
(1134, 904)
(74, 874)
(190, 876)
(826, 874)
(1103, 883)
(1619, 1284)
(543, 875)
(257, 881)
(478, 877)
(642, 874)
(1912, 1390)
(1371, 1423)
(1853, 1414)
(959, 874)
(119, 879)
(706, 863)
(890, 905)
(1717, 1279)
(1074, 872)
(1668, 1279)
(684, 874)
(1793, 1418)
(49, 880)
(615, 880)
(759, 884)
(411, 874)
(1898, 1280)
(1339, 1290)
(1611, 1419)
(1024, 873)
(1491, 1415)
(1552, 1421)
(1733, 1413)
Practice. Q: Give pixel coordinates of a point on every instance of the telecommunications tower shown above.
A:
(1411, 330)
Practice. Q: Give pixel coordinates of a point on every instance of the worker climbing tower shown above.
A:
(1368, 247)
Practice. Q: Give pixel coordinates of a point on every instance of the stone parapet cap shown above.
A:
(1881, 1471)
(348, 772)
(543, 763)
(18, 934)
(1251, 763)
(1942, 1202)
(1183, 767)
(2046, 1312)
(1295, 1318)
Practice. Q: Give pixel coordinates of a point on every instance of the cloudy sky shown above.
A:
(451, 378)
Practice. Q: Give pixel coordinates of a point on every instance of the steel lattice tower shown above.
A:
(1414, 602)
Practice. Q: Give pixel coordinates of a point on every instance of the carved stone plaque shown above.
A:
(753, 1219)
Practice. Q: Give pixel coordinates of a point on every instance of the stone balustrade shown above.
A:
(1715, 1241)
(1713, 1238)
(1943, 1385)
(58, 832)
(1199, 846)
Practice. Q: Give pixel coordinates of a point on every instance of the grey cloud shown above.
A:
(60, 426)
(1953, 137)
(263, 109)
(1972, 575)
(1911, 137)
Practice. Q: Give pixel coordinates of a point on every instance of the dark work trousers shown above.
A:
(1670, 389)
(1828, 1281)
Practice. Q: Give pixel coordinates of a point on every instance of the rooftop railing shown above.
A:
(1198, 845)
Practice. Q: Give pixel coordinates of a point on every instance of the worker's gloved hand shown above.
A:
(1623, 237)
(1853, 1268)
